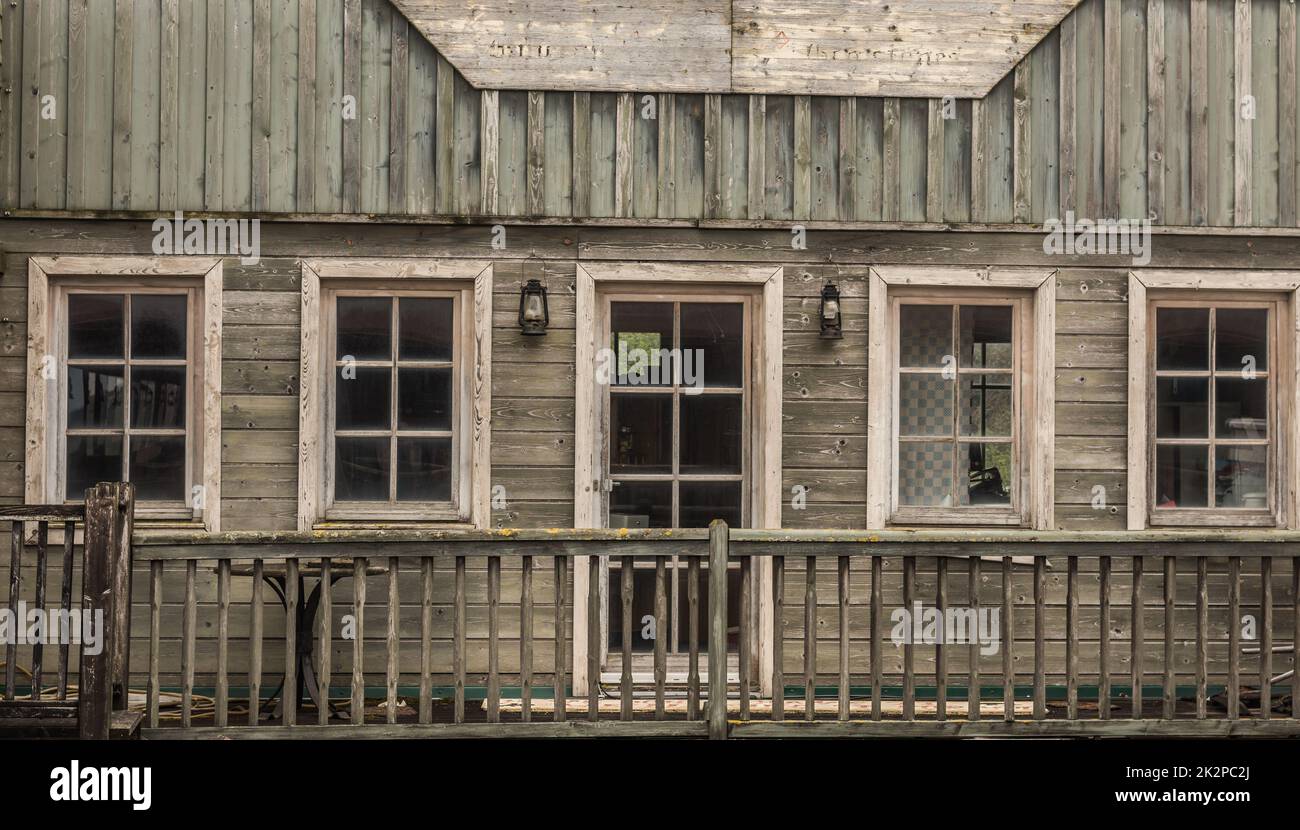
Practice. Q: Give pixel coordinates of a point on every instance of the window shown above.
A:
(395, 409)
(131, 392)
(960, 377)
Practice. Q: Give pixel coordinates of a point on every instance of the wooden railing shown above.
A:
(874, 575)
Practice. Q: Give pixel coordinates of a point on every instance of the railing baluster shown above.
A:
(1072, 638)
(810, 639)
(746, 631)
(693, 635)
(1040, 648)
(255, 648)
(843, 584)
(778, 641)
(718, 543)
(289, 696)
(560, 684)
(593, 638)
(38, 647)
(625, 594)
(426, 640)
(1008, 641)
(223, 643)
(661, 633)
(1234, 636)
(1136, 638)
(1170, 694)
(973, 695)
(1202, 635)
(65, 602)
(1266, 638)
(877, 633)
(909, 648)
(393, 645)
(358, 702)
(940, 653)
(187, 649)
(325, 636)
(155, 636)
(526, 639)
(15, 586)
(1295, 638)
(458, 637)
(1103, 642)
(494, 639)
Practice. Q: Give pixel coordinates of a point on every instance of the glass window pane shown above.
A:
(158, 467)
(361, 469)
(641, 434)
(925, 473)
(924, 405)
(424, 469)
(425, 324)
(158, 397)
(1182, 407)
(365, 328)
(92, 459)
(711, 434)
(1242, 335)
(1183, 338)
(714, 333)
(641, 335)
(423, 398)
(1241, 477)
(158, 323)
(363, 398)
(1181, 477)
(95, 326)
(986, 405)
(95, 395)
(986, 336)
(990, 476)
(641, 504)
(924, 335)
(702, 502)
(1241, 407)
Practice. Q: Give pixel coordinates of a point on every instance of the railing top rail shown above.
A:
(43, 512)
(976, 536)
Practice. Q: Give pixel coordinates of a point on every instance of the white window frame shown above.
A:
(1152, 285)
(325, 278)
(49, 280)
(1036, 423)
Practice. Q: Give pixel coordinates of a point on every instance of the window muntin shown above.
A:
(958, 394)
(394, 415)
(127, 405)
(1213, 411)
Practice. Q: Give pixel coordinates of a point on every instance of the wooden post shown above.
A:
(120, 584)
(95, 699)
(717, 629)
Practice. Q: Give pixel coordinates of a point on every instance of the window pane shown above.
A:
(158, 397)
(1242, 333)
(1183, 338)
(363, 400)
(95, 325)
(641, 434)
(1181, 479)
(361, 469)
(158, 325)
(925, 474)
(1241, 477)
(986, 405)
(986, 336)
(715, 335)
(424, 469)
(641, 504)
(924, 335)
(640, 334)
(990, 476)
(1182, 407)
(711, 434)
(158, 467)
(426, 328)
(424, 398)
(924, 405)
(1241, 408)
(92, 459)
(95, 395)
(702, 502)
(365, 328)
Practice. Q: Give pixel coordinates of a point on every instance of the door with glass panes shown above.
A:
(676, 418)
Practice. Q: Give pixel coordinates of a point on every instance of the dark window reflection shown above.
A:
(1181, 476)
(95, 397)
(1182, 339)
(423, 398)
(158, 397)
(424, 469)
(92, 459)
(365, 328)
(715, 335)
(158, 467)
(363, 399)
(158, 324)
(641, 504)
(711, 434)
(1242, 337)
(986, 337)
(361, 469)
(702, 502)
(1182, 407)
(641, 434)
(641, 337)
(95, 326)
(426, 328)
